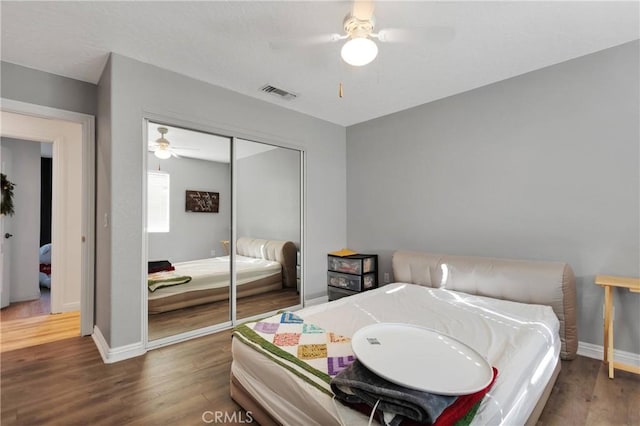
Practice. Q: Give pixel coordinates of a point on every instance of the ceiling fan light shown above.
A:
(162, 154)
(359, 51)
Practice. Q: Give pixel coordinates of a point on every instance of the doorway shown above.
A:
(72, 138)
(26, 259)
(46, 200)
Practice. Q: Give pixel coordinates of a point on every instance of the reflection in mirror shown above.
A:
(268, 184)
(188, 229)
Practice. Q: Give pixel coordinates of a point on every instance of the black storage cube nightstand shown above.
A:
(347, 275)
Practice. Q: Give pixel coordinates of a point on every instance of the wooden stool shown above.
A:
(608, 282)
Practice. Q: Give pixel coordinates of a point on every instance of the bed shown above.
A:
(261, 266)
(519, 315)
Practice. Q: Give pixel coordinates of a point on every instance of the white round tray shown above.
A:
(422, 359)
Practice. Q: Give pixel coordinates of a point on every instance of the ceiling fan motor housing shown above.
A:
(162, 142)
(358, 27)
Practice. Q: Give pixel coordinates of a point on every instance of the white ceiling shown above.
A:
(228, 43)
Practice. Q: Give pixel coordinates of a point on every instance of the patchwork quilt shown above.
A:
(310, 352)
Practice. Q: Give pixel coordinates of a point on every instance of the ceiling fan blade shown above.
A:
(153, 147)
(362, 9)
(173, 154)
(301, 42)
(184, 148)
(432, 34)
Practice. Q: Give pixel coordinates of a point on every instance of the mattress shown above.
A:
(520, 340)
(214, 273)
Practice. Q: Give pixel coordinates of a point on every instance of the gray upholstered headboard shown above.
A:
(284, 252)
(542, 283)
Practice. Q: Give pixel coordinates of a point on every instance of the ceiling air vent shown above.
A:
(278, 92)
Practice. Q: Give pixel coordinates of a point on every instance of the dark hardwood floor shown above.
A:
(66, 383)
(584, 395)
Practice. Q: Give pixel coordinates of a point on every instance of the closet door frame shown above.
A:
(232, 134)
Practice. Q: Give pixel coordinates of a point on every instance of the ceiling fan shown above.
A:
(359, 49)
(359, 25)
(162, 148)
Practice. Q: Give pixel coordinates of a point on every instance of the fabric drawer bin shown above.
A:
(354, 264)
(351, 282)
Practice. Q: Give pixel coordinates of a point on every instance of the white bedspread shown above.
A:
(214, 273)
(520, 340)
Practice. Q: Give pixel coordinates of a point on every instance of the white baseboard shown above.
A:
(590, 350)
(71, 307)
(316, 301)
(110, 355)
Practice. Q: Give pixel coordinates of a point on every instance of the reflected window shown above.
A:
(158, 201)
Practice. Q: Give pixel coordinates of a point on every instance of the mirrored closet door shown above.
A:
(188, 230)
(194, 185)
(268, 187)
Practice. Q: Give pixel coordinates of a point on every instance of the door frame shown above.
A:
(87, 123)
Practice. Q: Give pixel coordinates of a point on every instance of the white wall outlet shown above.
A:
(213, 253)
(386, 278)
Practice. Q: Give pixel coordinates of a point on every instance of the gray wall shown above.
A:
(138, 88)
(268, 188)
(25, 224)
(192, 235)
(541, 166)
(103, 304)
(41, 88)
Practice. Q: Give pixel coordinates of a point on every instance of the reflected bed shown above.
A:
(261, 265)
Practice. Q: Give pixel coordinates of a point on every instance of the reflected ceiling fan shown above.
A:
(359, 25)
(162, 148)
